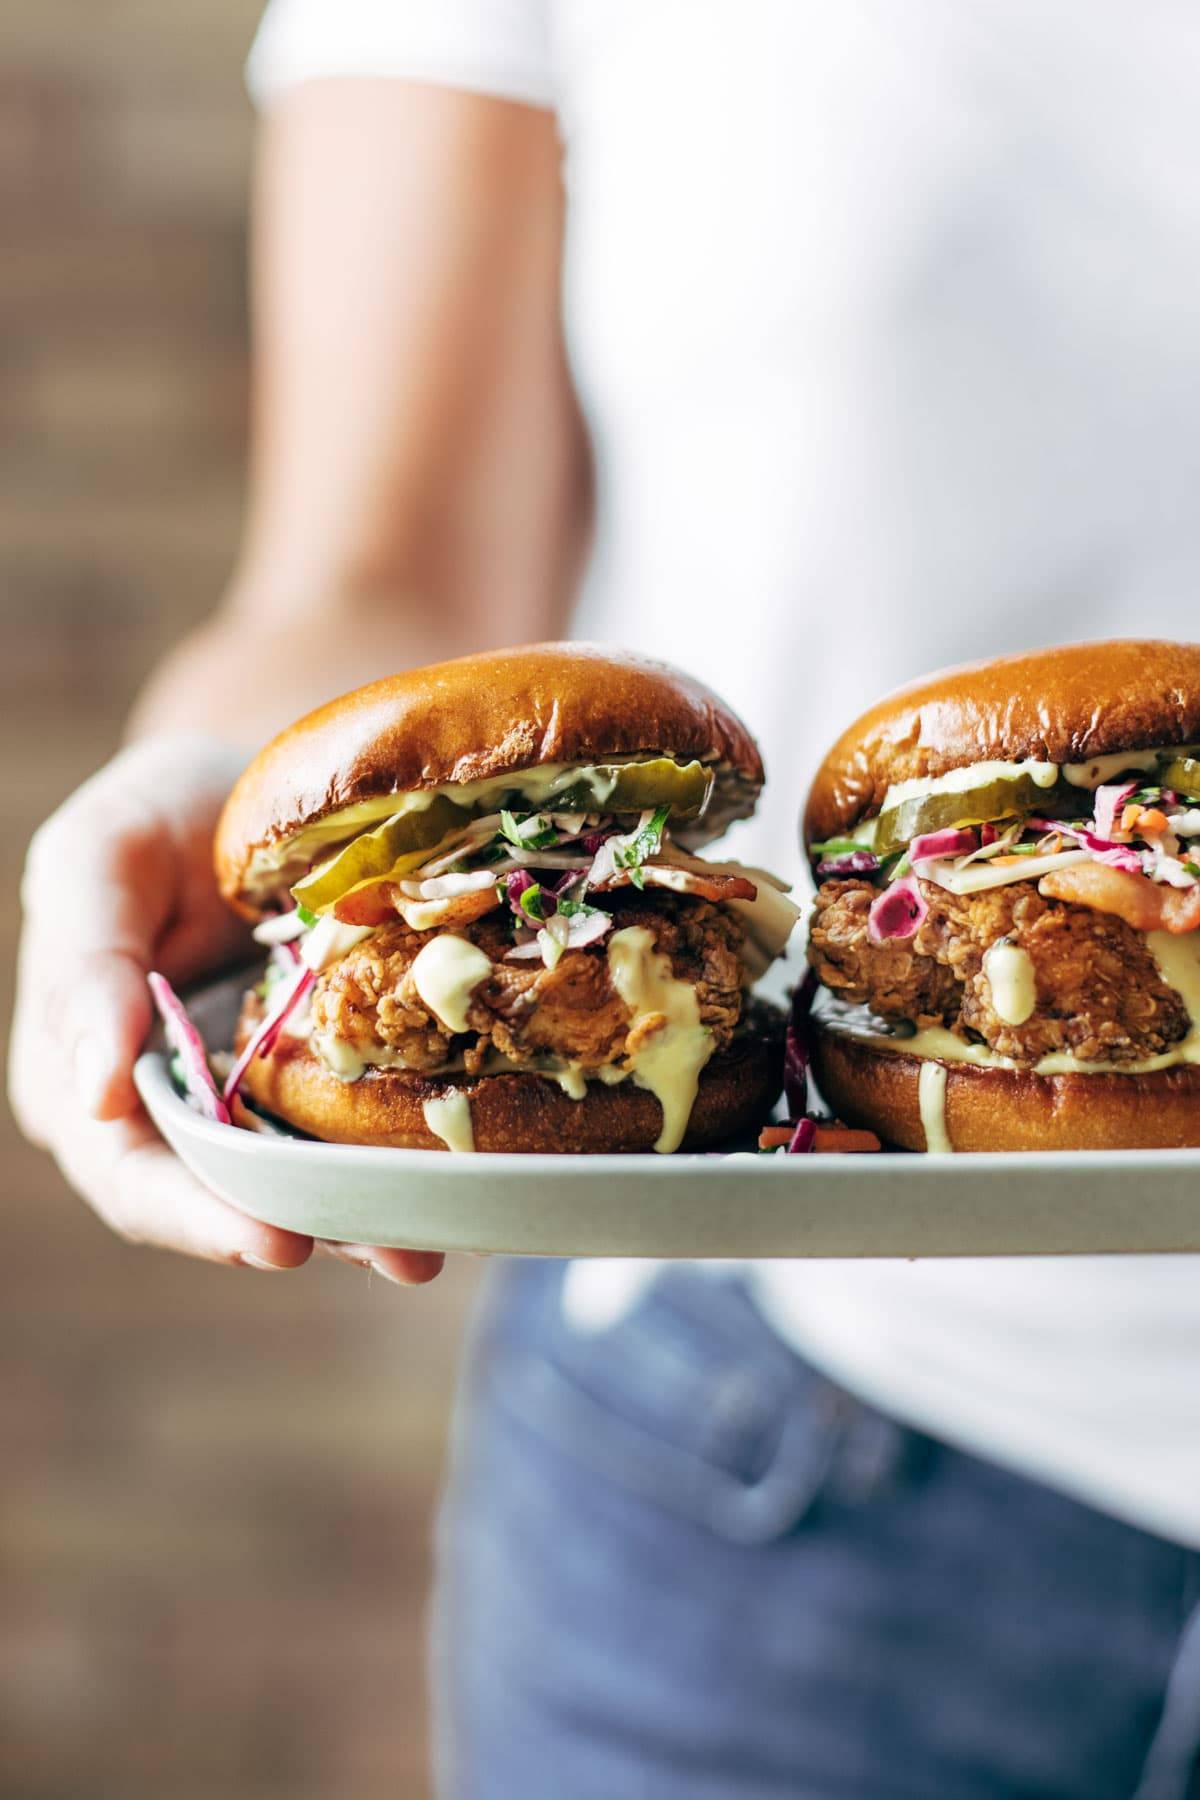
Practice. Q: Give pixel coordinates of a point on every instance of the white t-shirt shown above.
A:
(886, 321)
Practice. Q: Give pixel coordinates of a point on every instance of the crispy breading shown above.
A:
(524, 1010)
(892, 977)
(1099, 993)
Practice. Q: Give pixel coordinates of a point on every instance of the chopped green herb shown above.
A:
(576, 909)
(530, 903)
(645, 842)
(306, 917)
(527, 832)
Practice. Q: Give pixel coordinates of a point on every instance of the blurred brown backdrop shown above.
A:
(215, 1486)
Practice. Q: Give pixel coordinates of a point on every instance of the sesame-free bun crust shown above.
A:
(518, 1112)
(473, 718)
(1006, 1109)
(1063, 705)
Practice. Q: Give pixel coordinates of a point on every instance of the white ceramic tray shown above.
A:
(682, 1206)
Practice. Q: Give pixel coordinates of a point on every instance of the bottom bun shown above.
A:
(869, 1085)
(521, 1112)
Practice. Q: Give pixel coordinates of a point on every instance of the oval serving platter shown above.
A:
(682, 1206)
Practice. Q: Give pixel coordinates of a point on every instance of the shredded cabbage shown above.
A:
(797, 1052)
(898, 912)
(188, 1046)
(262, 1040)
(804, 1138)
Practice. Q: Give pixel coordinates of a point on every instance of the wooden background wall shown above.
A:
(214, 1486)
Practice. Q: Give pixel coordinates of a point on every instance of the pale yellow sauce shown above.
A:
(931, 1099)
(344, 1060)
(1102, 768)
(446, 972)
(423, 915)
(958, 781)
(572, 1081)
(669, 1061)
(449, 1117)
(329, 941)
(1010, 976)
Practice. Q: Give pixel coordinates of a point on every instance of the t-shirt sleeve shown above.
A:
(498, 47)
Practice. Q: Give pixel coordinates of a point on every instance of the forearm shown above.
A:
(420, 478)
(248, 672)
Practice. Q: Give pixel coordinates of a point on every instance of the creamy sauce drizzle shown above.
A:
(329, 941)
(1102, 768)
(449, 1117)
(957, 781)
(1009, 972)
(931, 1098)
(446, 972)
(344, 1060)
(669, 1060)
(572, 1081)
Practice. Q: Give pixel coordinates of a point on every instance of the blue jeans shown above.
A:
(677, 1563)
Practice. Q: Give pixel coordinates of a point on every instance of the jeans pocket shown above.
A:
(690, 1402)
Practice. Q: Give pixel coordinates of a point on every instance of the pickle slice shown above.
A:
(390, 849)
(1183, 774)
(982, 805)
(637, 787)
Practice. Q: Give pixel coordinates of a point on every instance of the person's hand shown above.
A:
(119, 881)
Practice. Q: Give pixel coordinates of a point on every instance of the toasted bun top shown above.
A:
(476, 717)
(1066, 704)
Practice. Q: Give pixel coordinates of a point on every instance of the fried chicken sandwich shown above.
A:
(488, 927)
(1006, 936)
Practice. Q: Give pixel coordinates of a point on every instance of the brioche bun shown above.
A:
(517, 1112)
(470, 719)
(873, 1086)
(1061, 705)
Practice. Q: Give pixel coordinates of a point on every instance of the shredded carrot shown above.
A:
(840, 1138)
(1130, 815)
(1152, 822)
(831, 1138)
(1005, 862)
(772, 1136)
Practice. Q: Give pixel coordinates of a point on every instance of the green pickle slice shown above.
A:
(1003, 799)
(387, 850)
(1183, 774)
(637, 787)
